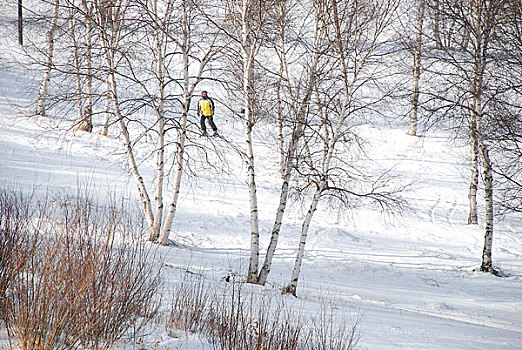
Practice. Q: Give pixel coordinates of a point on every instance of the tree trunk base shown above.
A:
(252, 279)
(289, 290)
(490, 269)
(84, 126)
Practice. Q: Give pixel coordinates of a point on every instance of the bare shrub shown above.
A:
(245, 320)
(233, 318)
(326, 332)
(15, 247)
(89, 280)
(189, 304)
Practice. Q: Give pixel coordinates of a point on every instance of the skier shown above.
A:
(206, 111)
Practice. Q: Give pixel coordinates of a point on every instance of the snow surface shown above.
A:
(411, 278)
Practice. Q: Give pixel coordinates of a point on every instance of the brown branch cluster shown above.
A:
(78, 277)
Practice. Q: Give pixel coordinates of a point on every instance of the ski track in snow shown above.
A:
(451, 212)
(432, 210)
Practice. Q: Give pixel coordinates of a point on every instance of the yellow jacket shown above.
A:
(206, 107)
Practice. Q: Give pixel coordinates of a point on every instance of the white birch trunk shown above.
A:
(160, 176)
(483, 24)
(77, 66)
(160, 144)
(329, 138)
(180, 152)
(130, 153)
(436, 26)
(476, 91)
(279, 124)
(416, 71)
(279, 108)
(105, 130)
(110, 38)
(44, 87)
(487, 260)
(254, 215)
(248, 52)
(265, 270)
(88, 61)
(285, 165)
(169, 218)
(321, 187)
(474, 172)
(288, 166)
(292, 286)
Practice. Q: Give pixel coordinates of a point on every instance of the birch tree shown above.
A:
(246, 23)
(189, 84)
(109, 18)
(353, 34)
(41, 103)
(483, 21)
(472, 64)
(417, 54)
(159, 29)
(77, 66)
(298, 90)
(170, 28)
(88, 113)
(281, 19)
(81, 35)
(508, 128)
(86, 58)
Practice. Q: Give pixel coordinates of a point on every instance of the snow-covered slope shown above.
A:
(411, 278)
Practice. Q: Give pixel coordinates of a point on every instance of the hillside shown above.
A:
(411, 277)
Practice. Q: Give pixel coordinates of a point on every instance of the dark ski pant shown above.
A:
(210, 122)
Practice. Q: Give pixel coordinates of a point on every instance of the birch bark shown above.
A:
(160, 113)
(417, 70)
(44, 86)
(188, 89)
(279, 116)
(180, 152)
(289, 156)
(252, 190)
(283, 198)
(109, 19)
(474, 171)
(107, 113)
(487, 259)
(436, 26)
(77, 66)
(88, 61)
(482, 21)
(291, 288)
(476, 90)
(248, 51)
(335, 20)
(149, 216)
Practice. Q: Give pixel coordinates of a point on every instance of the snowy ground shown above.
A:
(412, 278)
